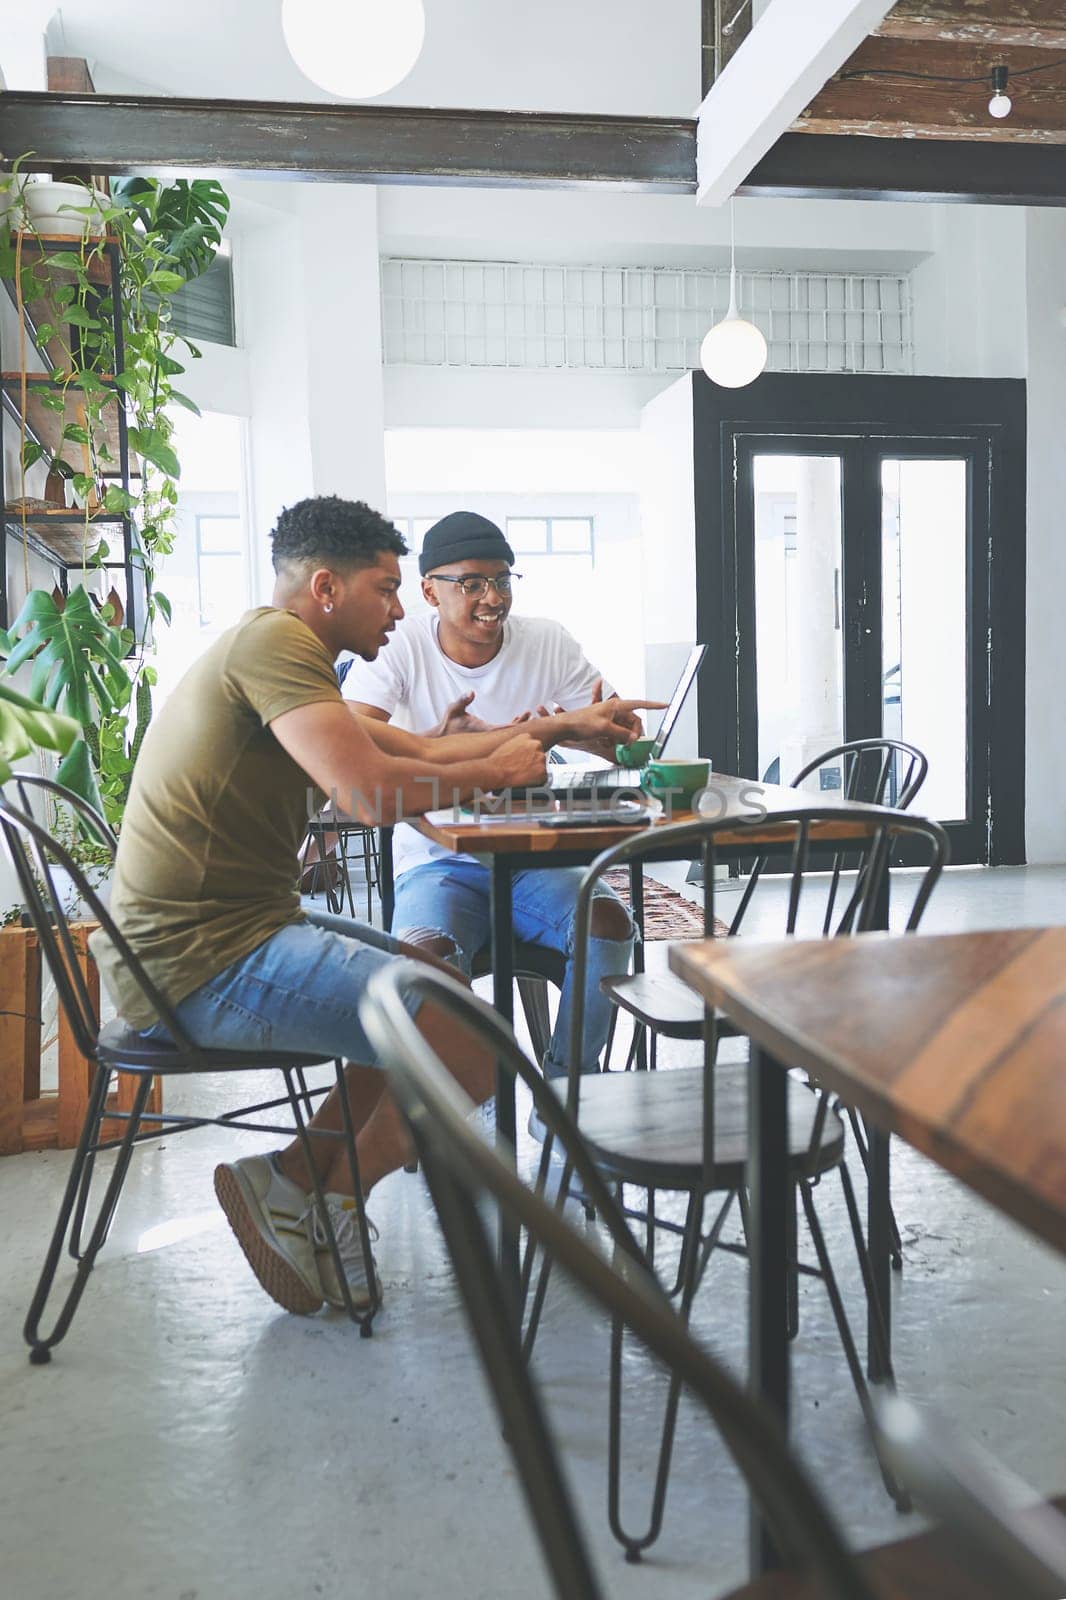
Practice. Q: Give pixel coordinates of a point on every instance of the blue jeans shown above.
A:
(299, 991)
(450, 898)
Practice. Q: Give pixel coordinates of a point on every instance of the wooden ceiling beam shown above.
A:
(348, 143)
(841, 167)
(860, 101)
(1040, 24)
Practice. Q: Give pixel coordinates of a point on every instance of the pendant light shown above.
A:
(1000, 104)
(734, 352)
(354, 48)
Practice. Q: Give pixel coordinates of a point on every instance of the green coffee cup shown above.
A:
(635, 754)
(684, 778)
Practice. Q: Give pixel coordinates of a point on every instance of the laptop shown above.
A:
(587, 783)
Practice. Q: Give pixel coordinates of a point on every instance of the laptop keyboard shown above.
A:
(596, 778)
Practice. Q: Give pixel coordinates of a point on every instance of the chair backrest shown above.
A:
(876, 772)
(876, 828)
(35, 855)
(461, 1167)
(1016, 1546)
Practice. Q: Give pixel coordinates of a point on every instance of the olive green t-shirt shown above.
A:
(208, 858)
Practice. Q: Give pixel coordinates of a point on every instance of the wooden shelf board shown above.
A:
(47, 426)
(60, 534)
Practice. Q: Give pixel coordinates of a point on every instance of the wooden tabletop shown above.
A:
(739, 798)
(957, 1043)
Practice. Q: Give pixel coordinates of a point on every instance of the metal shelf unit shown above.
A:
(58, 536)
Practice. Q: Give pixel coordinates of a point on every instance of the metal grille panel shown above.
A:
(635, 319)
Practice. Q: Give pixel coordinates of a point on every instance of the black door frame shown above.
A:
(985, 412)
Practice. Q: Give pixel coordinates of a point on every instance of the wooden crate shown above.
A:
(30, 1120)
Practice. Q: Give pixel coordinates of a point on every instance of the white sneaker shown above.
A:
(345, 1220)
(271, 1217)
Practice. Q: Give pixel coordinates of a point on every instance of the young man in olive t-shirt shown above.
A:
(206, 881)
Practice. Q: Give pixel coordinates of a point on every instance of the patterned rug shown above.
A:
(667, 914)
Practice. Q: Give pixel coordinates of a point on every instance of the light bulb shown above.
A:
(1000, 103)
(733, 353)
(354, 48)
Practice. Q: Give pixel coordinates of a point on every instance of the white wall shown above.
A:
(1045, 723)
(668, 567)
(970, 294)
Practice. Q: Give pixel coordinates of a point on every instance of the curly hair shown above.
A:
(328, 531)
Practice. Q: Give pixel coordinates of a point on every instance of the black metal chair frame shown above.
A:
(859, 914)
(863, 760)
(368, 854)
(1023, 1551)
(459, 1167)
(116, 1048)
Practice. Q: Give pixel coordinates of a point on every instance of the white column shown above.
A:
(342, 286)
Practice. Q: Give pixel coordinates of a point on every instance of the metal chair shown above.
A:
(685, 1131)
(462, 1169)
(875, 772)
(35, 854)
(332, 871)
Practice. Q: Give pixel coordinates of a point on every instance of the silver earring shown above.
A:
(328, 607)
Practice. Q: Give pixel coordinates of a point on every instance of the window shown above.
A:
(414, 530)
(220, 568)
(203, 307)
(555, 536)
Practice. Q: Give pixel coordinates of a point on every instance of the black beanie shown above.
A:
(463, 536)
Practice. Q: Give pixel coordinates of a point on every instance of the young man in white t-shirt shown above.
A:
(468, 663)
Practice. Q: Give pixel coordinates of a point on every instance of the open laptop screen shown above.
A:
(680, 694)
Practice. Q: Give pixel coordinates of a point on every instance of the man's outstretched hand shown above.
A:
(457, 719)
(604, 723)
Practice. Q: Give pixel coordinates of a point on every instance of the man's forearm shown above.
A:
(449, 747)
(408, 788)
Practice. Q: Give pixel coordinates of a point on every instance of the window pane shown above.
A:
(221, 589)
(923, 531)
(220, 535)
(527, 535)
(572, 535)
(799, 641)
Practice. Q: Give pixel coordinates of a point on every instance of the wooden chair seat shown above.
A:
(647, 1127)
(930, 1566)
(663, 1003)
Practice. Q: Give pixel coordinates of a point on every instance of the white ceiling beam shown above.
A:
(788, 56)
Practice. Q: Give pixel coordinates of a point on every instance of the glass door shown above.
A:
(855, 613)
(799, 680)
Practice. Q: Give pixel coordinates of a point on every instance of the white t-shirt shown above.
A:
(538, 663)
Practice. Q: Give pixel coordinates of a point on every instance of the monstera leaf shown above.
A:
(26, 726)
(76, 657)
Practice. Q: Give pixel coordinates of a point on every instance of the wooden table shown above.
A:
(957, 1043)
(520, 845)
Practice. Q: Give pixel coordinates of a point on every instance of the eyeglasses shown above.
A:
(474, 588)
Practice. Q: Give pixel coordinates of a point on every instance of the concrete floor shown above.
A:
(192, 1442)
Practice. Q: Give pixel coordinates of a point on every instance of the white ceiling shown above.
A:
(603, 56)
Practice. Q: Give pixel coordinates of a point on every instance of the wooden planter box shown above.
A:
(30, 1120)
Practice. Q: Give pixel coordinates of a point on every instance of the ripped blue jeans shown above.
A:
(452, 898)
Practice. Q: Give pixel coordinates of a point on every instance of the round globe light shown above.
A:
(354, 48)
(1000, 105)
(733, 353)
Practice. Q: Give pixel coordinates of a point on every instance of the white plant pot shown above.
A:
(50, 207)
